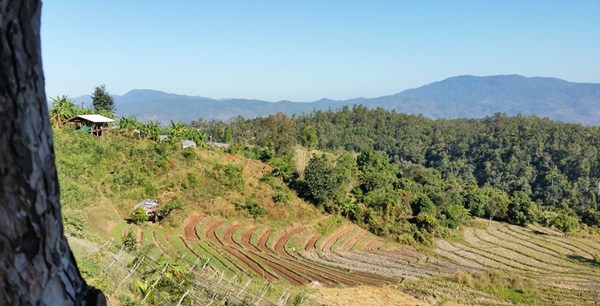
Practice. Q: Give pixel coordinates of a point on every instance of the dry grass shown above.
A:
(367, 296)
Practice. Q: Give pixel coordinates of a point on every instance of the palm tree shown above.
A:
(128, 125)
(348, 207)
(177, 131)
(61, 109)
(151, 130)
(196, 136)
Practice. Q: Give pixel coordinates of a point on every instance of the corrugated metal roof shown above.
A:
(94, 118)
(188, 144)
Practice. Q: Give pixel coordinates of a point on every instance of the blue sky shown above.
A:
(307, 50)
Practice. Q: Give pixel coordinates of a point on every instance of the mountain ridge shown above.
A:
(464, 96)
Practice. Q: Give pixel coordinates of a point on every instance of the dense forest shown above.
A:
(397, 174)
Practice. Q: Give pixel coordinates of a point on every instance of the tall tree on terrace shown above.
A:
(102, 100)
(36, 263)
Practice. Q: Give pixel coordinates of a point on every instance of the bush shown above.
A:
(139, 216)
(281, 197)
(427, 222)
(228, 175)
(166, 209)
(74, 223)
(130, 241)
(252, 207)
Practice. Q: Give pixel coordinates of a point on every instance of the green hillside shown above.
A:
(281, 223)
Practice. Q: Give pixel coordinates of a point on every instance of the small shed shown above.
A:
(218, 145)
(151, 207)
(188, 144)
(93, 124)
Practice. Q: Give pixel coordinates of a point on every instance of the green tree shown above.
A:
(521, 209)
(321, 179)
(102, 100)
(61, 109)
(308, 137)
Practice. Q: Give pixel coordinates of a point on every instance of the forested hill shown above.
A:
(554, 164)
(477, 97)
(456, 97)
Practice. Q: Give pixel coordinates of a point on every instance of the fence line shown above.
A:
(209, 286)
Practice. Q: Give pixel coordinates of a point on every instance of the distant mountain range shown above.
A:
(461, 96)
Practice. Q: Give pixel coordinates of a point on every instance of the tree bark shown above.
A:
(36, 264)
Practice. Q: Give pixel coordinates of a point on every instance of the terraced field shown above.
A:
(563, 269)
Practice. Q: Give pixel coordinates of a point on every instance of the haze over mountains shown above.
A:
(461, 96)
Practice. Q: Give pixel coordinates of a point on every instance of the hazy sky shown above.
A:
(307, 50)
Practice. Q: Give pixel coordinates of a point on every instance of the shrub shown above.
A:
(166, 209)
(252, 207)
(74, 223)
(228, 175)
(139, 216)
(129, 241)
(281, 197)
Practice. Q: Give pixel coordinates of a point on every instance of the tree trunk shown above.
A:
(36, 263)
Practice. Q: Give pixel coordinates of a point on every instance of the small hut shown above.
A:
(188, 144)
(93, 124)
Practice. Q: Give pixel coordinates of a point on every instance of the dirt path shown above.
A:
(189, 226)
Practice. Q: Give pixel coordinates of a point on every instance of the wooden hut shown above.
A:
(93, 124)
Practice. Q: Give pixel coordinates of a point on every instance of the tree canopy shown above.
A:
(102, 100)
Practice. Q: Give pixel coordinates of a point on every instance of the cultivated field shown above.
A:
(563, 270)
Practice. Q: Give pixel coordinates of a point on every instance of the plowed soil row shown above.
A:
(324, 275)
(292, 276)
(350, 243)
(160, 246)
(329, 241)
(276, 265)
(218, 255)
(189, 226)
(246, 238)
(262, 241)
(363, 274)
(252, 264)
(331, 273)
(311, 243)
(373, 245)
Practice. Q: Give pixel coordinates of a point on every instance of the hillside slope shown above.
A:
(244, 224)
